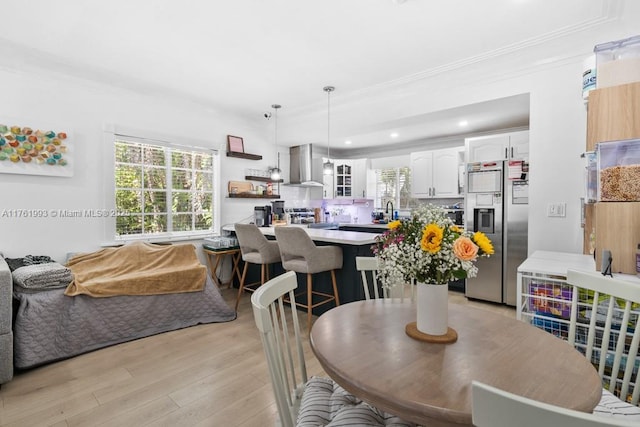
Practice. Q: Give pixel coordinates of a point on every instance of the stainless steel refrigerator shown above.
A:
(496, 203)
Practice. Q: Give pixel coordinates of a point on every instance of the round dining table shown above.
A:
(364, 348)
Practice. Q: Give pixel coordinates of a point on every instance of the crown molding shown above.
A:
(611, 11)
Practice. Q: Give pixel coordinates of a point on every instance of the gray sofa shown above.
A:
(47, 326)
(6, 333)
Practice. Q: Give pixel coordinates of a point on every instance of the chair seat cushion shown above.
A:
(612, 406)
(325, 258)
(325, 403)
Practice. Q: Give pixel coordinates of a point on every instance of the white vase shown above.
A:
(432, 308)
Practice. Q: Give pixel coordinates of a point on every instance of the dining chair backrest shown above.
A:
(491, 407)
(604, 326)
(255, 247)
(280, 333)
(295, 243)
(311, 401)
(368, 267)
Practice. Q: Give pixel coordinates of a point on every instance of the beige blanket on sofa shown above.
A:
(137, 269)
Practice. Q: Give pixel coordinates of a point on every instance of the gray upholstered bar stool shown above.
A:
(301, 255)
(255, 249)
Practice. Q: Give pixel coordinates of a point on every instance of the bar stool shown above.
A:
(301, 255)
(256, 249)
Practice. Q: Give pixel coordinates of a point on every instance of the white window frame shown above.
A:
(111, 134)
(396, 202)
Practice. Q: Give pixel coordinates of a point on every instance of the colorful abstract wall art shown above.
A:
(24, 150)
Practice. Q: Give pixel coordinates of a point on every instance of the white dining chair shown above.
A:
(602, 325)
(492, 407)
(303, 401)
(605, 315)
(368, 267)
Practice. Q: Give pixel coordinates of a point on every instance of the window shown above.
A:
(162, 189)
(394, 185)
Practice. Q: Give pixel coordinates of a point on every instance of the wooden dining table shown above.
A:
(364, 348)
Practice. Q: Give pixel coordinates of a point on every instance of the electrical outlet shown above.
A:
(557, 210)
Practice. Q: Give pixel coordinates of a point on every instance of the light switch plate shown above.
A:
(557, 210)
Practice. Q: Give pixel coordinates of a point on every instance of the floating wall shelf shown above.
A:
(244, 155)
(254, 196)
(263, 179)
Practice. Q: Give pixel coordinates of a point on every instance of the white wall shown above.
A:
(82, 109)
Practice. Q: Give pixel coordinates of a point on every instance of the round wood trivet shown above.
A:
(412, 330)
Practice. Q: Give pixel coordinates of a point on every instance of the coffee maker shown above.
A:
(262, 216)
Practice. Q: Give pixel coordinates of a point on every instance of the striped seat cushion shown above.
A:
(611, 406)
(325, 403)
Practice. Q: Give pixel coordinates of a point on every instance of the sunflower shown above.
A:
(483, 242)
(394, 224)
(431, 238)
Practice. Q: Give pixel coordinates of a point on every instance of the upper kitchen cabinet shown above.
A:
(359, 178)
(434, 173)
(505, 146)
(349, 179)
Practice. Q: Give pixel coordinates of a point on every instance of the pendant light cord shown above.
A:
(328, 89)
(275, 136)
(275, 174)
(329, 125)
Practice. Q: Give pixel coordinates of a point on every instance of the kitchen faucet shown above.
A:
(387, 208)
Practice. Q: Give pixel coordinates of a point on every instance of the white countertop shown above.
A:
(320, 235)
(557, 263)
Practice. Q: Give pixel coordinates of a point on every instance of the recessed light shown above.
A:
(394, 135)
(463, 123)
(347, 142)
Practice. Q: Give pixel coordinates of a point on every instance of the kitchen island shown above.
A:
(364, 228)
(348, 279)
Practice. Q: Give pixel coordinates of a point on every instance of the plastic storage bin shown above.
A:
(591, 177)
(619, 170)
(618, 62)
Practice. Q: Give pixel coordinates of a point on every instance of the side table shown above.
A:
(215, 256)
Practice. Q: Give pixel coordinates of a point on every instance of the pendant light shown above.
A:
(327, 167)
(275, 172)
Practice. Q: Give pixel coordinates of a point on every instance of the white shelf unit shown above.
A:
(545, 300)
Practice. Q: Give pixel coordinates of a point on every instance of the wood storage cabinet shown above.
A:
(613, 114)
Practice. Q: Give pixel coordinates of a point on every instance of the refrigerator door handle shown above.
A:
(506, 152)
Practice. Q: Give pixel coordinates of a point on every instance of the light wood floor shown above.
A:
(206, 375)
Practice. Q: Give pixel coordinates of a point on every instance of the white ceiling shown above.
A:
(241, 56)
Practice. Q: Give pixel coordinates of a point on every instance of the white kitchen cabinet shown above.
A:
(349, 179)
(421, 174)
(359, 178)
(435, 173)
(343, 178)
(505, 146)
(519, 145)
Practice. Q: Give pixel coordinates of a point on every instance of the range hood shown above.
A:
(304, 170)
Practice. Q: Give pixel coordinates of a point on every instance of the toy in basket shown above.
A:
(551, 298)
